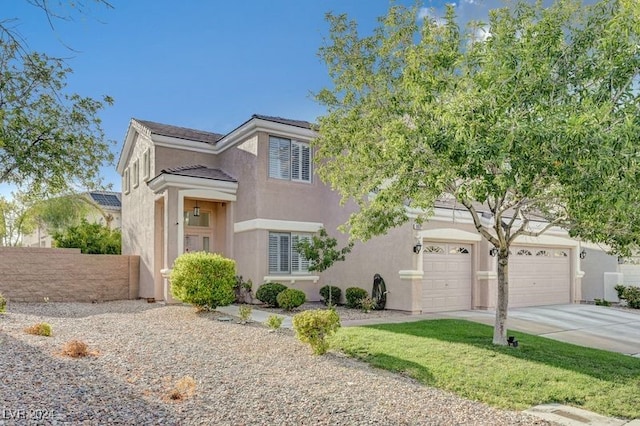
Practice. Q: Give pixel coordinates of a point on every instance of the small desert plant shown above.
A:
(183, 389)
(291, 298)
(274, 322)
(354, 295)
(75, 349)
(39, 329)
(203, 279)
(245, 313)
(632, 296)
(3, 303)
(330, 294)
(314, 326)
(367, 304)
(602, 302)
(620, 290)
(268, 293)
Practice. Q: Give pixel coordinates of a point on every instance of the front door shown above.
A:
(197, 242)
(198, 231)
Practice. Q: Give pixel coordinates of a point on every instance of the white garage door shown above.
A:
(446, 284)
(539, 276)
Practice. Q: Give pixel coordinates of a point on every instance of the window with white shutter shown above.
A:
(289, 160)
(283, 256)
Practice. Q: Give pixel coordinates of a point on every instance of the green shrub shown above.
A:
(268, 293)
(40, 329)
(244, 312)
(330, 294)
(367, 304)
(291, 298)
(632, 296)
(274, 322)
(314, 326)
(354, 296)
(203, 279)
(620, 290)
(3, 303)
(602, 302)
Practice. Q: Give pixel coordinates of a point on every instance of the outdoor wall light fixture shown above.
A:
(417, 247)
(583, 254)
(196, 210)
(493, 252)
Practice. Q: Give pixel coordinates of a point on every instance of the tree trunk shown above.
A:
(500, 328)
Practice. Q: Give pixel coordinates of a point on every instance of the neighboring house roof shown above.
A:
(106, 199)
(181, 132)
(199, 171)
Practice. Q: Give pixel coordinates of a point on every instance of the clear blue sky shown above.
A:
(204, 64)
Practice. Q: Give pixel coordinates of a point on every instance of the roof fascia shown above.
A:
(257, 125)
(129, 138)
(165, 180)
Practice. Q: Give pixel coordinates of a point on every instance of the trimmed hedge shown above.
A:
(268, 293)
(330, 294)
(354, 296)
(291, 298)
(314, 326)
(203, 279)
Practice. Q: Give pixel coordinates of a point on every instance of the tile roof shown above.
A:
(297, 123)
(199, 171)
(181, 132)
(108, 199)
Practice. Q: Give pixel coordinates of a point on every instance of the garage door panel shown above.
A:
(542, 278)
(447, 279)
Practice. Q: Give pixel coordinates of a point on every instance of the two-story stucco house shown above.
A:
(252, 194)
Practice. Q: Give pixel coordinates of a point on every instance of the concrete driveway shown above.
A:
(599, 327)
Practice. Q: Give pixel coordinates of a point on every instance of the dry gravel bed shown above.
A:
(245, 375)
(346, 314)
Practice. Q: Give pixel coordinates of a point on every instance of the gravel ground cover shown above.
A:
(244, 375)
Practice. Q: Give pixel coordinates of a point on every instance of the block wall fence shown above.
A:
(65, 275)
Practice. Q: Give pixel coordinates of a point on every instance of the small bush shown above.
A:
(245, 313)
(40, 329)
(291, 298)
(183, 389)
(274, 322)
(268, 293)
(354, 295)
(3, 303)
(602, 302)
(242, 289)
(620, 290)
(632, 296)
(330, 294)
(314, 326)
(75, 349)
(367, 304)
(203, 279)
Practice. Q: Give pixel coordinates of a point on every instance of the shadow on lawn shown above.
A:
(604, 365)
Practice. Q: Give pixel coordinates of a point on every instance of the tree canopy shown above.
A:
(90, 238)
(536, 122)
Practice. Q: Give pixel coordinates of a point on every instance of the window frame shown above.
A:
(126, 184)
(294, 160)
(146, 165)
(296, 263)
(136, 173)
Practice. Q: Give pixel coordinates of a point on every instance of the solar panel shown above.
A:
(109, 200)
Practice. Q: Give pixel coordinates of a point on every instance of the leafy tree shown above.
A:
(536, 124)
(321, 251)
(90, 238)
(58, 213)
(49, 140)
(16, 220)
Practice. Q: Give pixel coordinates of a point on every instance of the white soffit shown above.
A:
(276, 225)
(226, 190)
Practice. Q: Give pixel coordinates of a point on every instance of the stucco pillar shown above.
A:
(173, 218)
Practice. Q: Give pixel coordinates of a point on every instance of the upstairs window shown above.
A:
(289, 160)
(283, 255)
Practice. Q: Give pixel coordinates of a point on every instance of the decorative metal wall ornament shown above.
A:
(379, 292)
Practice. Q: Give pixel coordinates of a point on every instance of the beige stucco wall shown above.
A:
(138, 218)
(65, 275)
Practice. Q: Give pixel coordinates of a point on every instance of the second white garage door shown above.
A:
(539, 276)
(446, 285)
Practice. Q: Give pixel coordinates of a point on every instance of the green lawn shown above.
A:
(458, 356)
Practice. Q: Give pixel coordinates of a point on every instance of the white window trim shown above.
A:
(303, 265)
(146, 165)
(290, 278)
(126, 181)
(136, 173)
